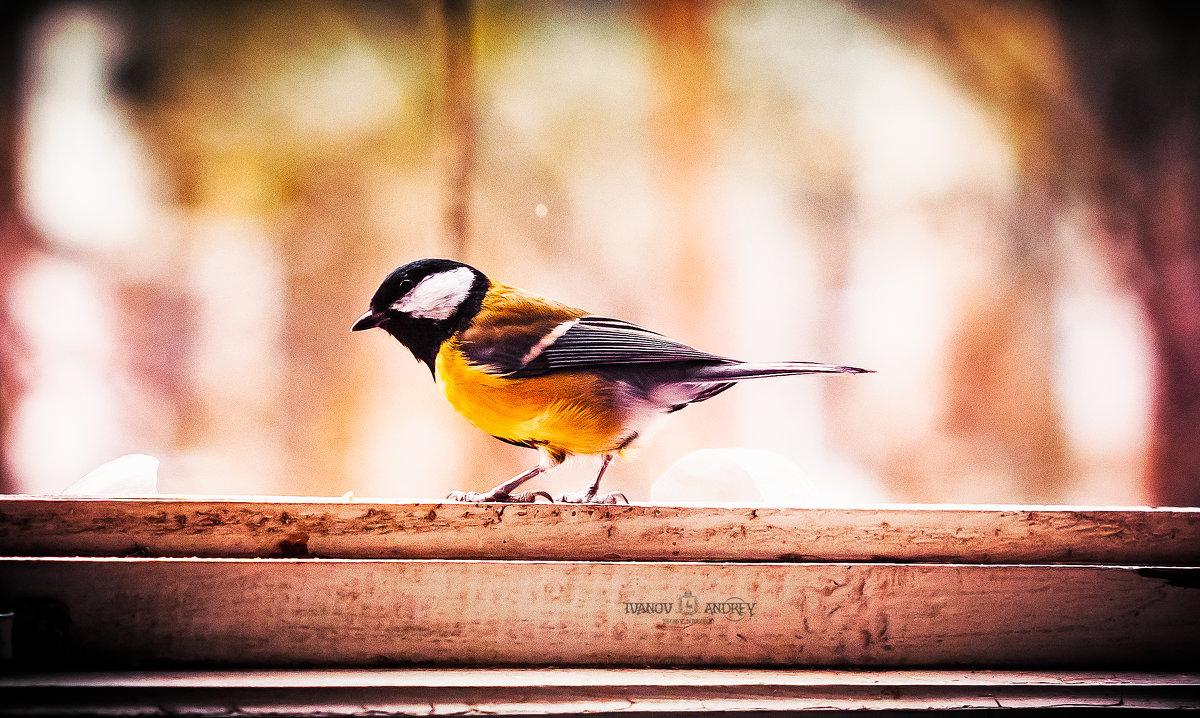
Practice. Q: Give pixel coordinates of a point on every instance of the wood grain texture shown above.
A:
(386, 612)
(32, 526)
(575, 690)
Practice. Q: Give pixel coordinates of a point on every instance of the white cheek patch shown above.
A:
(437, 296)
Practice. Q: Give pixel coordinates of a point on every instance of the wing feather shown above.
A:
(510, 324)
(602, 341)
(518, 334)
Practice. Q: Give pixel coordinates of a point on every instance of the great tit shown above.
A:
(538, 373)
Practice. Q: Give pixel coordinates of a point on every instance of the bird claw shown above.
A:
(494, 496)
(584, 497)
(529, 497)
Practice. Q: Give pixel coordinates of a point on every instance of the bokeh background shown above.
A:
(994, 205)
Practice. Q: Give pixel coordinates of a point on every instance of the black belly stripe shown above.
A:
(556, 455)
(522, 444)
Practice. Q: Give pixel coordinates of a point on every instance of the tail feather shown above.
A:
(750, 370)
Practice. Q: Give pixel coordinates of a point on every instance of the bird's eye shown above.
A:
(402, 290)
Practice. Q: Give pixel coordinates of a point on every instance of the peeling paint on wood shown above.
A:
(350, 529)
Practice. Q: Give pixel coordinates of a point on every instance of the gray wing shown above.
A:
(603, 342)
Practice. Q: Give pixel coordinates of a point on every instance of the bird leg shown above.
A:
(589, 496)
(503, 492)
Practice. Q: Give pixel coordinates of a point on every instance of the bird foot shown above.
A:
(503, 497)
(587, 497)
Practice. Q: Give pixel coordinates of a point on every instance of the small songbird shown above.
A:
(538, 373)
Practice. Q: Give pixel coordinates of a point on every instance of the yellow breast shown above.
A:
(570, 412)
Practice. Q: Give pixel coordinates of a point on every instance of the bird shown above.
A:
(538, 373)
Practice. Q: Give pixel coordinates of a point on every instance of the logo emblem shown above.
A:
(688, 604)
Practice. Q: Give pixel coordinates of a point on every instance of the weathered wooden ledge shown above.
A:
(387, 612)
(265, 528)
(221, 582)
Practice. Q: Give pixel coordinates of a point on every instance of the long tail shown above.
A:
(746, 370)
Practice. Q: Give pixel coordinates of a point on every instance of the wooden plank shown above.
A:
(372, 612)
(32, 526)
(561, 691)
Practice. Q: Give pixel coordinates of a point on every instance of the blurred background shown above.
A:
(993, 205)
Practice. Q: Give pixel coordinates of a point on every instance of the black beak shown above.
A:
(370, 320)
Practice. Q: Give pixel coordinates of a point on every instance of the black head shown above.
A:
(424, 302)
